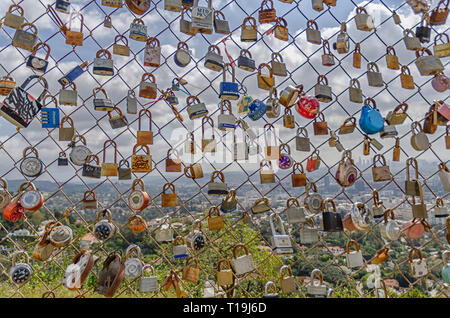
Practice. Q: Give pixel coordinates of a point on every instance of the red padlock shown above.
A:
(414, 228)
(14, 211)
(308, 106)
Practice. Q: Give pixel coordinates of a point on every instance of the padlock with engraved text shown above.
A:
(148, 87)
(224, 275)
(141, 163)
(202, 17)
(31, 166)
(91, 170)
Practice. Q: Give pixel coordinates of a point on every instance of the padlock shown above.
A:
(49, 115)
(313, 33)
(419, 210)
(396, 17)
(327, 56)
(112, 3)
(109, 169)
(332, 221)
(138, 30)
(196, 110)
(189, 144)
(124, 170)
(173, 5)
(353, 258)
(121, 49)
(317, 5)
(107, 23)
(273, 293)
(228, 90)
(272, 104)
(91, 170)
(131, 102)
(169, 199)
(266, 175)
(322, 91)
(152, 53)
(396, 151)
(245, 61)
(73, 74)
(346, 174)
(428, 65)
(348, 126)
(221, 25)
(138, 199)
(302, 142)
(257, 109)
(261, 205)
(89, 200)
(285, 160)
(60, 235)
(13, 210)
(13, 20)
(75, 37)
(249, 30)
(265, 81)
(298, 178)
(320, 127)
(295, 214)
(242, 264)
(213, 59)
(419, 140)
(267, 14)
(191, 272)
(371, 121)
(185, 25)
(30, 198)
(380, 173)
(31, 166)
(308, 233)
(194, 171)
(26, 40)
(104, 229)
(111, 274)
(313, 161)
(224, 275)
(280, 29)
(406, 78)
(7, 84)
(415, 228)
(392, 58)
(215, 222)
(20, 107)
(289, 95)
(440, 210)
(441, 49)
(374, 77)
(272, 150)
(148, 87)
(182, 56)
(68, 96)
(202, 17)
(36, 63)
(342, 44)
(170, 98)
(145, 137)
(217, 188)
(229, 203)
(308, 106)
(440, 83)
(208, 144)
(79, 153)
(390, 230)
(423, 32)
(66, 133)
(5, 196)
(288, 119)
(388, 131)
(164, 233)
(179, 248)
(277, 65)
(20, 273)
(440, 13)
(364, 21)
(102, 104)
(411, 41)
(381, 256)
(62, 160)
(361, 216)
(398, 115)
(117, 121)
(137, 224)
(287, 282)
(148, 284)
(412, 187)
(317, 290)
(418, 266)
(141, 163)
(226, 122)
(78, 270)
(357, 56)
(196, 238)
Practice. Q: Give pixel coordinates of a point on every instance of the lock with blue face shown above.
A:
(228, 90)
(371, 121)
(62, 6)
(73, 74)
(257, 109)
(50, 116)
(62, 159)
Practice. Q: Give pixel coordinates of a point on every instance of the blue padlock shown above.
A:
(257, 109)
(62, 159)
(73, 74)
(62, 6)
(50, 116)
(228, 90)
(36, 63)
(371, 121)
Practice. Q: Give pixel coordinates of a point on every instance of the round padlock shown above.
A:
(314, 203)
(20, 273)
(60, 236)
(285, 161)
(308, 106)
(30, 199)
(31, 166)
(133, 265)
(182, 56)
(138, 199)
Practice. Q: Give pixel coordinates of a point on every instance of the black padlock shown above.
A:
(62, 159)
(423, 32)
(332, 221)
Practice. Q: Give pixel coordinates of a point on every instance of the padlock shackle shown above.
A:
(390, 49)
(223, 261)
(207, 120)
(114, 144)
(46, 47)
(171, 151)
(24, 186)
(372, 67)
(179, 240)
(182, 45)
(133, 248)
(349, 243)
(122, 38)
(388, 213)
(192, 98)
(103, 213)
(149, 115)
(52, 97)
(16, 7)
(190, 259)
(40, 79)
(73, 15)
(137, 182)
(413, 252)
(32, 149)
(212, 210)
(376, 198)
(270, 284)
(326, 48)
(404, 69)
(411, 162)
(266, 3)
(103, 52)
(322, 80)
(316, 273)
(379, 158)
(4, 183)
(369, 101)
(153, 42)
(99, 89)
(272, 225)
(312, 24)
(218, 174)
(218, 13)
(90, 156)
(297, 166)
(115, 109)
(145, 269)
(245, 52)
(439, 37)
(239, 246)
(144, 147)
(124, 162)
(168, 186)
(325, 205)
(357, 48)
(285, 268)
(252, 21)
(268, 127)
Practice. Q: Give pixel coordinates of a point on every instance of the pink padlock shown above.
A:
(440, 83)
(414, 228)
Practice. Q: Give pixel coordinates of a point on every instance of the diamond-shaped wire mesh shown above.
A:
(64, 187)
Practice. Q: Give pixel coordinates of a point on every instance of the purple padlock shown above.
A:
(440, 83)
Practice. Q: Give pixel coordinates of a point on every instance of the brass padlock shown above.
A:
(406, 78)
(266, 175)
(169, 199)
(412, 187)
(215, 222)
(398, 115)
(173, 165)
(75, 37)
(121, 49)
(66, 133)
(443, 49)
(357, 56)
(194, 171)
(392, 58)
(265, 81)
(141, 163)
(320, 127)
(281, 31)
(298, 178)
(348, 126)
(109, 169)
(249, 30)
(267, 14)
(208, 144)
(145, 137)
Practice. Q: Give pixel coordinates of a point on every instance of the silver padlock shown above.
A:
(26, 40)
(273, 104)
(202, 18)
(226, 122)
(138, 30)
(313, 33)
(319, 290)
(277, 65)
(133, 265)
(221, 25)
(196, 110)
(355, 92)
(13, 20)
(295, 213)
(131, 102)
(374, 77)
(245, 61)
(103, 63)
(342, 44)
(302, 142)
(213, 59)
(182, 57)
(179, 248)
(322, 90)
(309, 233)
(102, 104)
(364, 21)
(411, 41)
(117, 121)
(68, 96)
(104, 229)
(281, 243)
(20, 273)
(148, 283)
(240, 150)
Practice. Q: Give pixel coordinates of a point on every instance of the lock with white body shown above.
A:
(133, 265)
(318, 290)
(226, 122)
(281, 243)
(242, 264)
(354, 258)
(148, 283)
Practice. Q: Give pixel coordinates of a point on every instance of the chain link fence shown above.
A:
(64, 187)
